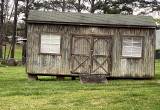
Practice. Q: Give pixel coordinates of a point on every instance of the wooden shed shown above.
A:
(69, 44)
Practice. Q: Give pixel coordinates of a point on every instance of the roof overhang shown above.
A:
(89, 24)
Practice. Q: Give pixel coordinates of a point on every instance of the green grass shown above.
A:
(157, 67)
(17, 93)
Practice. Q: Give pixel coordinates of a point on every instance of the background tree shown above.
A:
(157, 21)
(77, 5)
(25, 30)
(14, 29)
(95, 6)
(117, 7)
(123, 6)
(1, 28)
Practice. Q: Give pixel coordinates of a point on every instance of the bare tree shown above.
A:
(24, 46)
(92, 8)
(77, 5)
(1, 28)
(14, 29)
(63, 5)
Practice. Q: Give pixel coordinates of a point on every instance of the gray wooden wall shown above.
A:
(158, 39)
(121, 67)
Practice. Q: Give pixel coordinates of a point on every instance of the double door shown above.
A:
(91, 55)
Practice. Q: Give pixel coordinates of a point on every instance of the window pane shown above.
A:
(132, 47)
(137, 44)
(137, 52)
(50, 43)
(127, 44)
(126, 51)
(136, 39)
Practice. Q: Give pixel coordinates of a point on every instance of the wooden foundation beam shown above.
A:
(32, 77)
(60, 77)
(73, 78)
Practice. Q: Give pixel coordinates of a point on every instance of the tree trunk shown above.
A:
(14, 29)
(92, 6)
(79, 6)
(104, 7)
(1, 29)
(63, 6)
(24, 46)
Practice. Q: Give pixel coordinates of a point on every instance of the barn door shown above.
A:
(81, 46)
(91, 55)
(101, 56)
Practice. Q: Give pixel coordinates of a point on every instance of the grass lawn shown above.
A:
(17, 93)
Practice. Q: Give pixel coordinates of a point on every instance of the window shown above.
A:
(50, 43)
(132, 47)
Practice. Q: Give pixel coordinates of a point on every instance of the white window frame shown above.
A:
(132, 46)
(43, 44)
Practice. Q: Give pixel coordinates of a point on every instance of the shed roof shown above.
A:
(90, 19)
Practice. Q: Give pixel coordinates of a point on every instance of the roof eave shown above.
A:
(90, 24)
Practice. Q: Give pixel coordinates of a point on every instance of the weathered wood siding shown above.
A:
(134, 67)
(60, 64)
